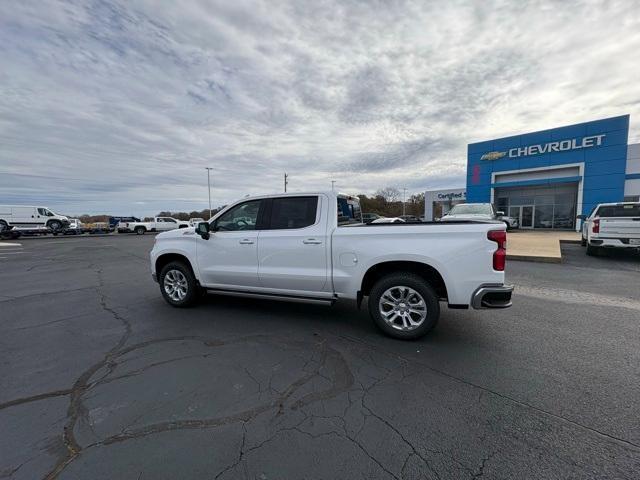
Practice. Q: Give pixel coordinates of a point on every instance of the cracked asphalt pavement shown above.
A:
(101, 379)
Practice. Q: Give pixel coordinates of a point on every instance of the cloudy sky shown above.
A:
(118, 107)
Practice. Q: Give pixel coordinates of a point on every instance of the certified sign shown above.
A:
(561, 146)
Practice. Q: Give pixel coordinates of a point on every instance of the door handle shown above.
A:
(311, 241)
(246, 241)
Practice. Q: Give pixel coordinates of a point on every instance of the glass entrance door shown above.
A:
(526, 216)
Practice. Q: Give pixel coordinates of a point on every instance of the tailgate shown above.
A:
(623, 227)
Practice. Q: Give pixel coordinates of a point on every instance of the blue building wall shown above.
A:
(604, 165)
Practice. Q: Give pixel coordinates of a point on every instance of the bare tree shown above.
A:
(390, 194)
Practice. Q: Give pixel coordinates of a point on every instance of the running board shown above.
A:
(268, 296)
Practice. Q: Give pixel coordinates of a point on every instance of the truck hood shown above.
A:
(466, 216)
(177, 232)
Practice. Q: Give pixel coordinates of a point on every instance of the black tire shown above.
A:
(583, 242)
(140, 230)
(419, 286)
(508, 226)
(184, 274)
(593, 251)
(4, 227)
(55, 226)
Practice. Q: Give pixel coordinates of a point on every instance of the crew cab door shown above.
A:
(293, 245)
(229, 258)
(166, 223)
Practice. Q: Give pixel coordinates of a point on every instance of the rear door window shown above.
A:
(293, 212)
(632, 210)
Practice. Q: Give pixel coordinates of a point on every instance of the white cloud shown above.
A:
(118, 107)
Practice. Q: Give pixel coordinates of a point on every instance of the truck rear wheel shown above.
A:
(140, 230)
(593, 251)
(178, 284)
(404, 306)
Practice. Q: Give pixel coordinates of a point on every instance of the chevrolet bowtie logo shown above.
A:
(493, 155)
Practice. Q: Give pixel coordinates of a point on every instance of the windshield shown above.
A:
(470, 209)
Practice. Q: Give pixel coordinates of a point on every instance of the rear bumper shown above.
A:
(614, 242)
(492, 296)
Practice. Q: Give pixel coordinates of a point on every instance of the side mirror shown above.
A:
(500, 213)
(202, 229)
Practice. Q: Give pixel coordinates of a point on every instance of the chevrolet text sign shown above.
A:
(561, 146)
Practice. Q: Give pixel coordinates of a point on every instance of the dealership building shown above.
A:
(546, 178)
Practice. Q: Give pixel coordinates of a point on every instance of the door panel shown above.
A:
(295, 258)
(230, 256)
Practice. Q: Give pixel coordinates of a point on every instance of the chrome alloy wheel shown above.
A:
(402, 308)
(175, 285)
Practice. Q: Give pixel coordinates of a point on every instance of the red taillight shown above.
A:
(596, 226)
(500, 255)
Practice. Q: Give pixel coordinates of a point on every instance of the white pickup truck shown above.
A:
(314, 248)
(159, 224)
(611, 225)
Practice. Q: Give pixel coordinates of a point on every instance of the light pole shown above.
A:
(333, 183)
(285, 182)
(209, 187)
(404, 201)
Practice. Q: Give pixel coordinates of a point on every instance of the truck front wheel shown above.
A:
(140, 230)
(178, 284)
(404, 306)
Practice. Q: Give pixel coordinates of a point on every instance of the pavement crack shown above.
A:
(483, 464)
(521, 403)
(35, 398)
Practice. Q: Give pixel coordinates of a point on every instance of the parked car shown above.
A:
(293, 247)
(410, 218)
(369, 217)
(75, 227)
(159, 224)
(611, 225)
(114, 221)
(28, 218)
(98, 227)
(194, 221)
(389, 220)
(479, 212)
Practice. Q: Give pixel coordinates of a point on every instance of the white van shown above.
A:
(22, 217)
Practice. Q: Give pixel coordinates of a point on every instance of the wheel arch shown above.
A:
(169, 257)
(430, 274)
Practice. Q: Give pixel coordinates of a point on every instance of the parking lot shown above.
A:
(100, 378)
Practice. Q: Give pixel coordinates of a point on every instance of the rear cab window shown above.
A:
(349, 211)
(622, 210)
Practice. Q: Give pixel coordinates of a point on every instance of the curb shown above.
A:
(571, 242)
(534, 258)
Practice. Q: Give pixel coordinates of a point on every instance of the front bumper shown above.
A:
(492, 296)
